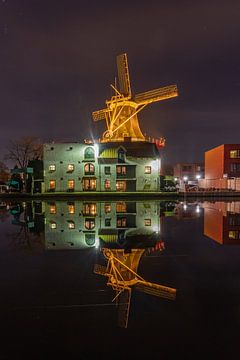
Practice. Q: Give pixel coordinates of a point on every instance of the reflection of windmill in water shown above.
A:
(122, 109)
(121, 271)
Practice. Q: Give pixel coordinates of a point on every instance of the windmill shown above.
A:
(121, 271)
(122, 109)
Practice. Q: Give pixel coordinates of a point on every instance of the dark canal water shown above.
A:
(54, 304)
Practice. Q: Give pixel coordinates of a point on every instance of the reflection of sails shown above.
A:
(121, 271)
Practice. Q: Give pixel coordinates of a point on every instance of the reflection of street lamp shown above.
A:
(198, 176)
(185, 178)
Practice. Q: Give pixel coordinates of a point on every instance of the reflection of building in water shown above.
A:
(76, 225)
(186, 211)
(222, 222)
(121, 271)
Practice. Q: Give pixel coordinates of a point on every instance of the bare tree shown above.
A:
(25, 149)
(4, 172)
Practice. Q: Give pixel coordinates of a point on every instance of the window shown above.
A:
(235, 167)
(90, 239)
(107, 208)
(147, 170)
(53, 225)
(121, 185)
(234, 219)
(71, 184)
(89, 209)
(52, 167)
(89, 184)
(52, 208)
(235, 154)
(107, 170)
(89, 223)
(107, 222)
(52, 185)
(71, 224)
(147, 222)
(121, 207)
(186, 168)
(89, 169)
(70, 168)
(107, 185)
(235, 235)
(121, 155)
(71, 208)
(89, 153)
(121, 170)
(121, 222)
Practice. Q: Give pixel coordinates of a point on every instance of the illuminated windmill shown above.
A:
(122, 109)
(121, 271)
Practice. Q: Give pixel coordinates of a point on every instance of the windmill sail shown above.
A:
(123, 75)
(157, 94)
(124, 300)
(156, 290)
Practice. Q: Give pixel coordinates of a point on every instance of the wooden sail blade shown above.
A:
(123, 75)
(100, 269)
(124, 300)
(156, 290)
(156, 95)
(99, 114)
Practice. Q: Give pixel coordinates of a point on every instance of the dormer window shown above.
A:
(121, 155)
(89, 153)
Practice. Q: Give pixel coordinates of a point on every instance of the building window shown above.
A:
(107, 208)
(121, 185)
(107, 222)
(52, 208)
(71, 224)
(52, 167)
(89, 169)
(121, 170)
(235, 167)
(147, 170)
(234, 219)
(121, 207)
(89, 153)
(121, 222)
(235, 154)
(89, 184)
(89, 209)
(90, 223)
(234, 234)
(53, 225)
(71, 184)
(52, 185)
(147, 222)
(71, 208)
(70, 168)
(121, 155)
(186, 168)
(107, 185)
(107, 170)
(90, 239)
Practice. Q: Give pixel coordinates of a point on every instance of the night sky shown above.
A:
(58, 58)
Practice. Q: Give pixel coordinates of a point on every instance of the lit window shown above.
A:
(121, 222)
(71, 208)
(90, 223)
(89, 169)
(107, 185)
(147, 170)
(147, 222)
(52, 184)
(235, 154)
(71, 224)
(107, 208)
(121, 185)
(52, 167)
(53, 225)
(90, 209)
(121, 170)
(53, 208)
(89, 153)
(108, 222)
(89, 184)
(70, 167)
(234, 234)
(107, 170)
(121, 207)
(71, 184)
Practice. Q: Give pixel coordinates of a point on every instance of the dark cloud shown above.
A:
(57, 59)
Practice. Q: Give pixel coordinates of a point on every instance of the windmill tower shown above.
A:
(122, 109)
(121, 271)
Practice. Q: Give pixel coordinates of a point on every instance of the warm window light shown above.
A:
(70, 167)
(71, 225)
(52, 167)
(53, 225)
